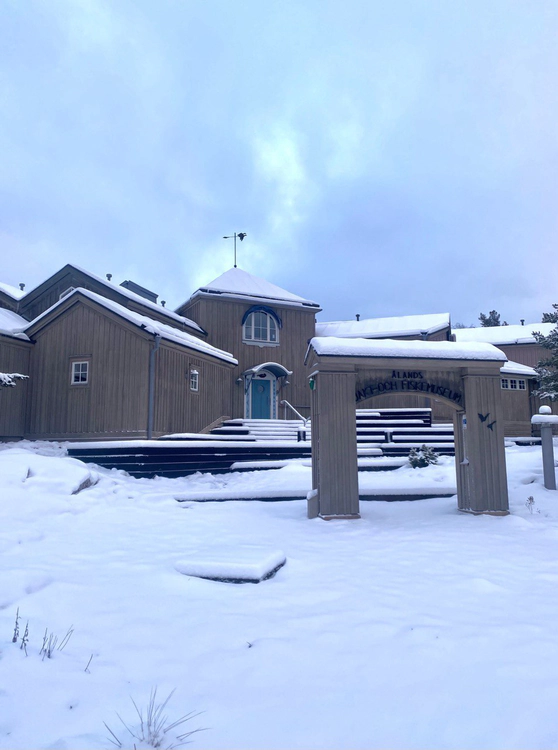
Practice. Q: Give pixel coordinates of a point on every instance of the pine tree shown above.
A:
(551, 317)
(490, 320)
(548, 368)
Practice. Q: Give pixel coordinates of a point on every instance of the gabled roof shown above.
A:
(238, 284)
(12, 324)
(149, 325)
(377, 328)
(118, 291)
(502, 335)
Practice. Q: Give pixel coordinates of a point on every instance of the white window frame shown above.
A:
(194, 380)
(513, 384)
(83, 365)
(271, 327)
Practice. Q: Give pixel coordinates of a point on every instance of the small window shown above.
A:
(194, 380)
(80, 373)
(505, 384)
(513, 384)
(522, 385)
(66, 292)
(261, 327)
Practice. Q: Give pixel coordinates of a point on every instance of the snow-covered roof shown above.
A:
(238, 284)
(135, 297)
(501, 335)
(155, 327)
(371, 328)
(11, 291)
(12, 324)
(337, 347)
(515, 368)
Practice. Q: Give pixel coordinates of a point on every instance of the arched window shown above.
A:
(260, 326)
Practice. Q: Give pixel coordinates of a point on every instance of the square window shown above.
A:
(80, 373)
(513, 384)
(522, 385)
(505, 383)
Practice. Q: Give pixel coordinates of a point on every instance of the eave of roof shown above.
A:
(154, 327)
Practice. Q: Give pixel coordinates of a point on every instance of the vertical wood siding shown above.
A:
(14, 357)
(223, 320)
(177, 408)
(113, 403)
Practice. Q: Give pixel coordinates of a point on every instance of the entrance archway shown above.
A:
(466, 376)
(261, 391)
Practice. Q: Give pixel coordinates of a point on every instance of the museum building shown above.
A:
(107, 361)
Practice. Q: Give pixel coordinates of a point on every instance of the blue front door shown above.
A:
(261, 399)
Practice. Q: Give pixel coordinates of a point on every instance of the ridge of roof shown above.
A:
(142, 321)
(125, 293)
(240, 284)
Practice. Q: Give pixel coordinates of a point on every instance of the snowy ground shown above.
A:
(415, 627)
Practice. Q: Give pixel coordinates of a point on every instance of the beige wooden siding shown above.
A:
(114, 401)
(14, 357)
(525, 354)
(179, 409)
(223, 320)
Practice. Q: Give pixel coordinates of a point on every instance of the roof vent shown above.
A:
(163, 302)
(109, 276)
(131, 286)
(22, 287)
(358, 316)
(522, 321)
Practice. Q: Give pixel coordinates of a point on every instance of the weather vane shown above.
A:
(241, 236)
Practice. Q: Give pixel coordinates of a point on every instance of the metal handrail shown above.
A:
(298, 414)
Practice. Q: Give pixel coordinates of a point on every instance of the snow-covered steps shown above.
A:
(178, 458)
(390, 494)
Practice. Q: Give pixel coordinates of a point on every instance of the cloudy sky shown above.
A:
(384, 157)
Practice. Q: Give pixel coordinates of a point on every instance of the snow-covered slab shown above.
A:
(405, 325)
(250, 564)
(199, 436)
(65, 476)
(135, 445)
(544, 419)
(338, 347)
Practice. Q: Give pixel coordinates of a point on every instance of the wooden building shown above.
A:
(101, 370)
(268, 329)
(108, 361)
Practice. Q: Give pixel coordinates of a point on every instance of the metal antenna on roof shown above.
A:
(241, 236)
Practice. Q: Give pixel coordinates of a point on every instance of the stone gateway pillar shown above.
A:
(466, 376)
